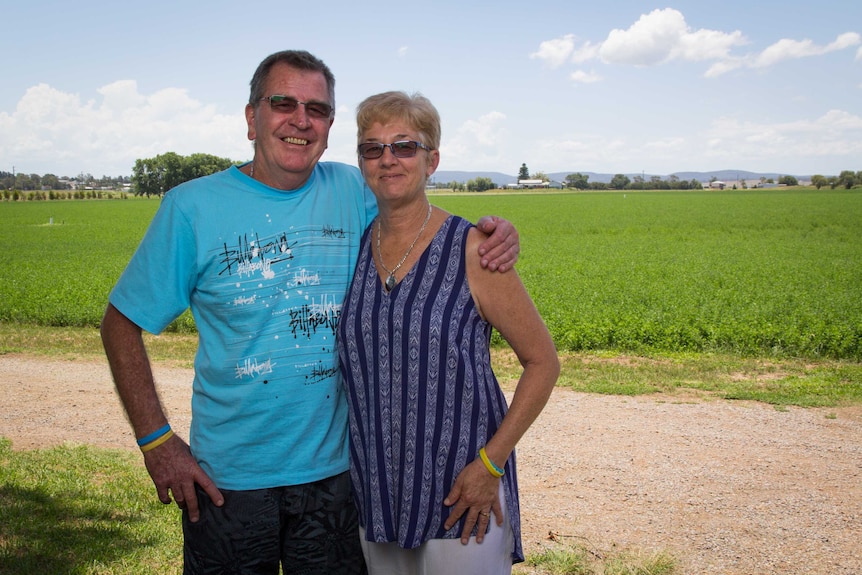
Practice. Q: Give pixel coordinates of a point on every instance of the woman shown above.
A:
(431, 439)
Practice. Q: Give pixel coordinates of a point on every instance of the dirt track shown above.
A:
(725, 487)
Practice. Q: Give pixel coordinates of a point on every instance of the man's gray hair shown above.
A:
(299, 59)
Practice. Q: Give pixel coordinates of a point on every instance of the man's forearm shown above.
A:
(133, 376)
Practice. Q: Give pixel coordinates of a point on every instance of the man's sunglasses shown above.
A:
(402, 149)
(288, 105)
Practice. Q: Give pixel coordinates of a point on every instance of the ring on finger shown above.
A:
(485, 513)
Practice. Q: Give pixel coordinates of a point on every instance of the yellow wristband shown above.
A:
(156, 442)
(489, 465)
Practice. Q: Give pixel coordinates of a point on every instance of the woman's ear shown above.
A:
(433, 162)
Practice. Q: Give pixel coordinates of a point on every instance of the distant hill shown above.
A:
(501, 179)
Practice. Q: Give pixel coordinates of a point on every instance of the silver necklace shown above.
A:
(390, 280)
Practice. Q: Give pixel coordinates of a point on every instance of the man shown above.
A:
(263, 255)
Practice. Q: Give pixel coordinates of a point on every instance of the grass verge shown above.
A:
(582, 559)
(780, 382)
(83, 510)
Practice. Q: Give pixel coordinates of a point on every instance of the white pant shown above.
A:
(444, 556)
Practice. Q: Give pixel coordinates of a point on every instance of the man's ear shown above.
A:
(249, 119)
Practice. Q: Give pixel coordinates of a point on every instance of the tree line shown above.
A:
(35, 182)
(581, 181)
(155, 176)
(846, 179)
(150, 177)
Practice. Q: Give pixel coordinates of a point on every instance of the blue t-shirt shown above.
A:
(264, 272)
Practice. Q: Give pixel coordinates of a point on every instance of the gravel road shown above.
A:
(726, 487)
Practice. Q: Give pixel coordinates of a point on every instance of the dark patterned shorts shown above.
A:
(310, 529)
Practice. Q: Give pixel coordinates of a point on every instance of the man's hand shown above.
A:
(499, 252)
(175, 471)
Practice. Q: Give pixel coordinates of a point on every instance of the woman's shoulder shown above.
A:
(474, 239)
(474, 234)
(459, 225)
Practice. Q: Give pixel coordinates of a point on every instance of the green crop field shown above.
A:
(61, 258)
(765, 272)
(756, 272)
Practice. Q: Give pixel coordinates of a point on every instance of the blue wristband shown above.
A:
(154, 435)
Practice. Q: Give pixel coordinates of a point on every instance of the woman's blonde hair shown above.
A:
(415, 110)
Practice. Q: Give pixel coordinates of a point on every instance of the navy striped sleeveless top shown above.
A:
(423, 398)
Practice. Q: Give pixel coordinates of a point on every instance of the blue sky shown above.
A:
(623, 86)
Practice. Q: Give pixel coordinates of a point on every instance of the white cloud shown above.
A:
(668, 145)
(482, 142)
(786, 49)
(648, 41)
(664, 35)
(835, 134)
(657, 37)
(583, 152)
(555, 52)
(585, 77)
(51, 131)
(826, 144)
(724, 67)
(586, 52)
(707, 45)
(402, 52)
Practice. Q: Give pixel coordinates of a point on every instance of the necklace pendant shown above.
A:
(390, 282)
